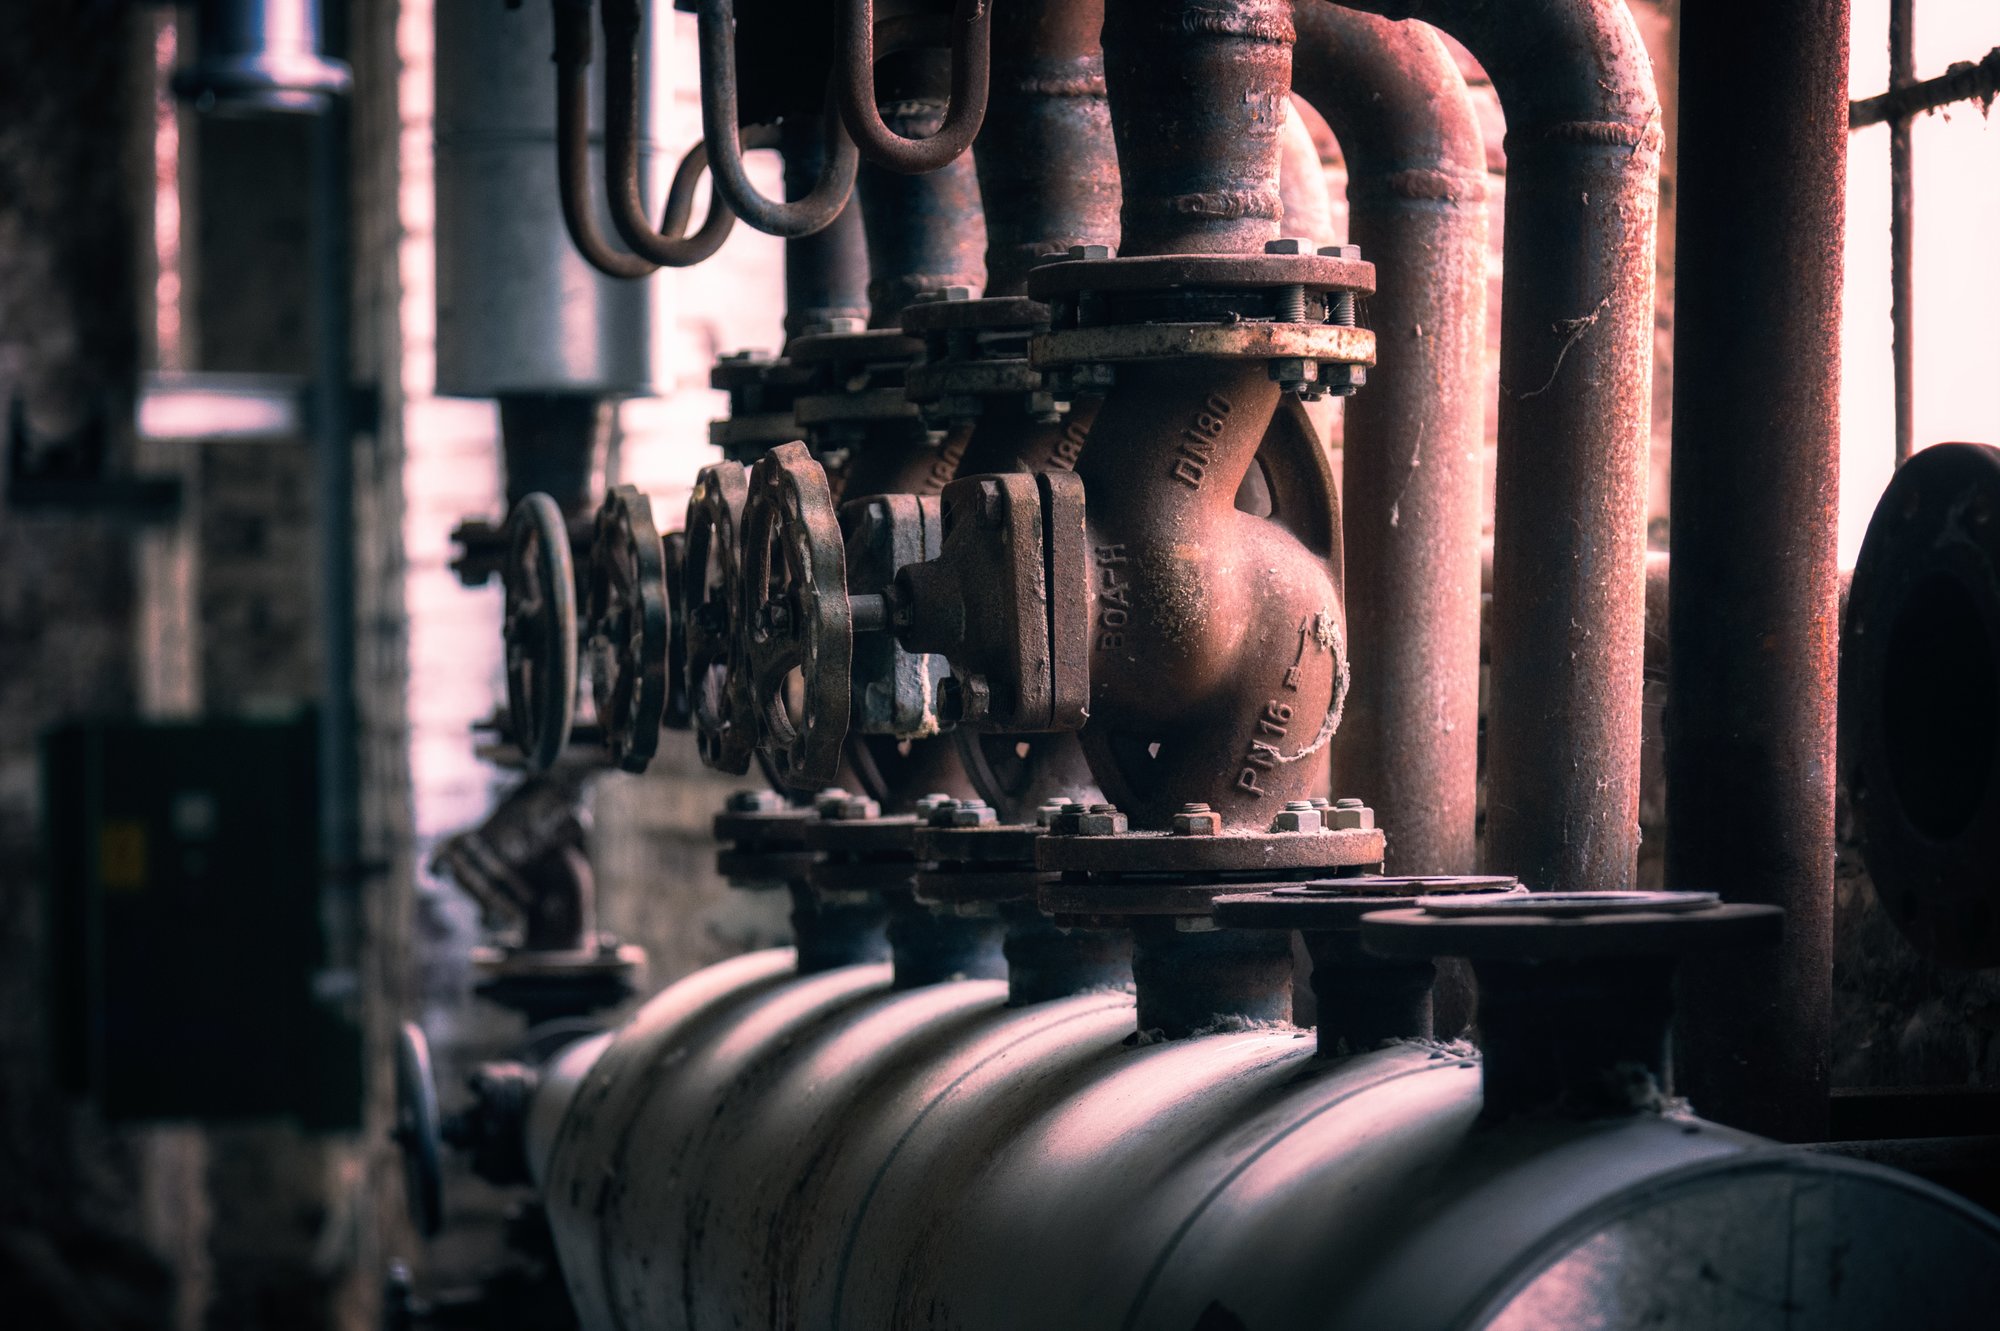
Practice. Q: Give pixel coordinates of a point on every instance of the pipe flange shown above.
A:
(877, 839)
(1305, 854)
(718, 695)
(543, 984)
(1110, 344)
(797, 617)
(949, 313)
(1569, 926)
(1920, 702)
(1068, 278)
(958, 886)
(764, 840)
(993, 845)
(763, 395)
(627, 627)
(1339, 903)
(836, 356)
(539, 629)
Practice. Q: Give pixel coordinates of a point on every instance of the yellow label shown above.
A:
(121, 856)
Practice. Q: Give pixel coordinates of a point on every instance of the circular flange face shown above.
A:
(1920, 702)
(711, 581)
(1522, 927)
(626, 614)
(540, 630)
(1166, 272)
(875, 346)
(1339, 903)
(419, 1131)
(1286, 853)
(993, 844)
(799, 632)
(1112, 343)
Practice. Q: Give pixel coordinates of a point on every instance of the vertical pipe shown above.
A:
(924, 232)
(1753, 619)
(1576, 361)
(826, 273)
(1199, 173)
(1047, 175)
(1416, 189)
(1902, 223)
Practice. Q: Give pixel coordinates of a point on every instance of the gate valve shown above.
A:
(717, 690)
(627, 632)
(1004, 602)
(539, 629)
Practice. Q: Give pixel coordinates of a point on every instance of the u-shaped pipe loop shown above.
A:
(971, 69)
(671, 246)
(801, 217)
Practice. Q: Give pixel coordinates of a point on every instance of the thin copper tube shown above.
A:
(971, 68)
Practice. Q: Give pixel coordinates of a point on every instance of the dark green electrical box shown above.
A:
(191, 972)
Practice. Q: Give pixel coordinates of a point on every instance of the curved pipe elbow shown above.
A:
(971, 68)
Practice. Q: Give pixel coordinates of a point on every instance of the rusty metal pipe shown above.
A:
(672, 245)
(1583, 146)
(1198, 99)
(1416, 190)
(925, 232)
(826, 273)
(893, 147)
(1048, 172)
(572, 61)
(1750, 751)
(716, 28)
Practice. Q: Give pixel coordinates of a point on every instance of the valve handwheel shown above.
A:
(419, 1131)
(718, 699)
(797, 616)
(679, 713)
(540, 630)
(626, 615)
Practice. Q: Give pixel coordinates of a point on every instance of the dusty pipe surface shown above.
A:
(1047, 172)
(1416, 191)
(1750, 752)
(826, 273)
(924, 232)
(1197, 102)
(757, 1148)
(1302, 192)
(1576, 356)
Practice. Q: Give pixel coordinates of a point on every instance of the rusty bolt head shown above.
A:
(1197, 820)
(963, 698)
(845, 323)
(1299, 816)
(1342, 380)
(931, 803)
(756, 801)
(1294, 372)
(1067, 820)
(850, 808)
(1102, 820)
(1090, 251)
(1349, 814)
(1288, 245)
(1340, 251)
(969, 813)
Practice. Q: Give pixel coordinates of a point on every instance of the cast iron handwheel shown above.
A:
(1920, 702)
(540, 630)
(678, 714)
(419, 1131)
(796, 615)
(718, 697)
(626, 615)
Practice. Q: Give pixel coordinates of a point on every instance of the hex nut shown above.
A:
(1294, 371)
(850, 808)
(1307, 819)
(1090, 251)
(1288, 245)
(1102, 820)
(967, 813)
(1340, 251)
(756, 801)
(1347, 815)
(1197, 820)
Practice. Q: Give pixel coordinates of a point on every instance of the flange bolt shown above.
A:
(1101, 820)
(1299, 816)
(1197, 820)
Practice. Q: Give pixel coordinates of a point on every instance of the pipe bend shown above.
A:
(1218, 654)
(971, 68)
(716, 32)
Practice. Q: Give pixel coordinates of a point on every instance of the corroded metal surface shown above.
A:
(626, 628)
(540, 630)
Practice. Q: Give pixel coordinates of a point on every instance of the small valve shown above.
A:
(540, 630)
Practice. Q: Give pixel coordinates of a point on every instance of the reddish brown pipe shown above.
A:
(1416, 189)
(1583, 143)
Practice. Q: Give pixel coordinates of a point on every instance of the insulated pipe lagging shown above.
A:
(1416, 191)
(1583, 154)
